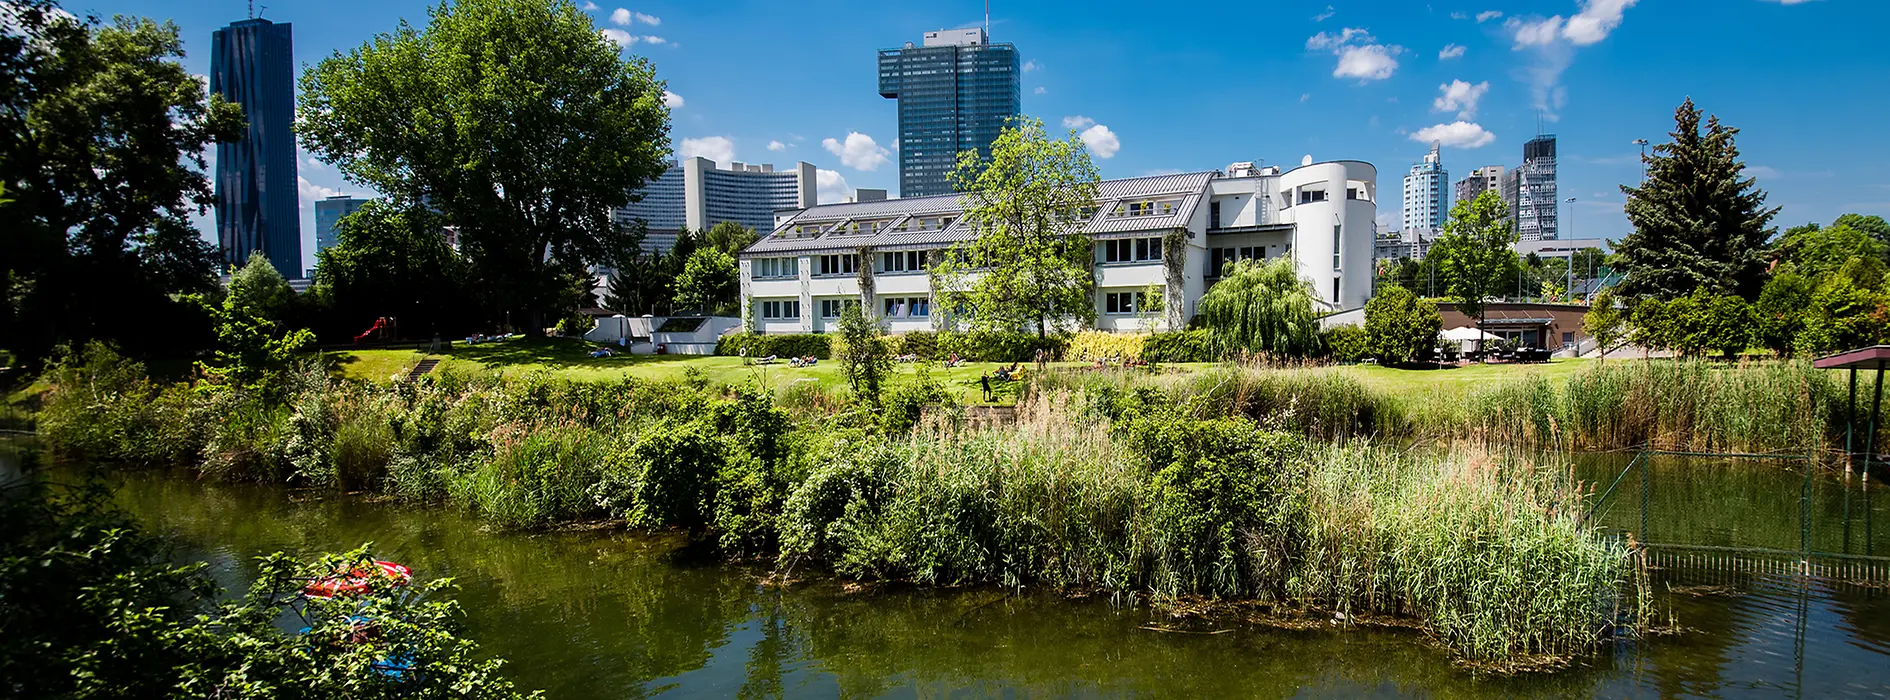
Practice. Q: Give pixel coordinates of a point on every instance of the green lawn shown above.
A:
(571, 358)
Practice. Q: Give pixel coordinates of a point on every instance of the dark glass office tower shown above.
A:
(954, 93)
(251, 65)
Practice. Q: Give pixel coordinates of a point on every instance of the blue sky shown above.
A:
(1181, 86)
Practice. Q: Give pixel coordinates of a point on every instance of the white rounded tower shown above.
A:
(1333, 207)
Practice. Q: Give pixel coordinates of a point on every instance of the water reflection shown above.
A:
(607, 614)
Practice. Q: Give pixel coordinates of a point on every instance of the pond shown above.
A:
(608, 614)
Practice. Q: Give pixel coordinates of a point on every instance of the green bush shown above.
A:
(1000, 346)
(921, 343)
(1347, 343)
(675, 466)
(1216, 504)
(908, 400)
(536, 477)
(1180, 346)
(762, 345)
(1093, 345)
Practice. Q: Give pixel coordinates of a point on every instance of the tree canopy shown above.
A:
(709, 282)
(1400, 327)
(1474, 254)
(1698, 220)
(102, 156)
(513, 119)
(393, 262)
(1029, 265)
(1262, 308)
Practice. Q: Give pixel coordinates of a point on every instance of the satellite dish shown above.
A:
(1306, 160)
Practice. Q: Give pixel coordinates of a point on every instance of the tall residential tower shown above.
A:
(1427, 193)
(251, 65)
(1488, 178)
(1531, 192)
(955, 93)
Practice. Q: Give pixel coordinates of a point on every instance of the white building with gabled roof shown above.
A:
(816, 260)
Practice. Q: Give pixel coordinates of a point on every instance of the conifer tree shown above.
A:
(1698, 220)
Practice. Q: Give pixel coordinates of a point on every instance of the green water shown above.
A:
(609, 614)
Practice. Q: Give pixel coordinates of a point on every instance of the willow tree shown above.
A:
(515, 120)
(1029, 263)
(1262, 308)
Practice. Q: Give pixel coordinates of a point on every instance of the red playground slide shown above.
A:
(379, 324)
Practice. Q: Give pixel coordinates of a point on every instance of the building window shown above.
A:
(1146, 208)
(1214, 215)
(908, 307)
(1310, 196)
(1220, 259)
(1121, 303)
(831, 308)
(903, 261)
(1335, 290)
(766, 268)
(1122, 250)
(1335, 246)
(845, 264)
(780, 310)
(1568, 339)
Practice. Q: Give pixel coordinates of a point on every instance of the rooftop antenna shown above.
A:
(252, 9)
(987, 20)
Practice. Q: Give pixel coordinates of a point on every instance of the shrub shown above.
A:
(1000, 346)
(1348, 343)
(674, 467)
(1179, 346)
(1399, 327)
(762, 345)
(911, 399)
(1216, 506)
(535, 476)
(1094, 345)
(921, 343)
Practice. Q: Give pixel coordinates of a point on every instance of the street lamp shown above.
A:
(1568, 288)
(1643, 144)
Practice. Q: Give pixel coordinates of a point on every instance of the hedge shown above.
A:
(1101, 345)
(921, 343)
(1178, 346)
(761, 345)
(999, 346)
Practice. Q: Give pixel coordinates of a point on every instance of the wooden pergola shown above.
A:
(1871, 358)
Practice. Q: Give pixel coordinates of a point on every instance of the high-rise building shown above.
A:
(251, 65)
(697, 194)
(329, 211)
(1427, 193)
(955, 93)
(1531, 192)
(1488, 178)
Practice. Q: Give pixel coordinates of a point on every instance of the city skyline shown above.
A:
(1174, 93)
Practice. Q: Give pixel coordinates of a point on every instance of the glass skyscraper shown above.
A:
(698, 194)
(1532, 193)
(251, 65)
(327, 213)
(955, 93)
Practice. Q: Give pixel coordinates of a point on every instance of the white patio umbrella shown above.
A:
(1465, 335)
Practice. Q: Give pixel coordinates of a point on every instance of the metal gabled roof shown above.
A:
(834, 216)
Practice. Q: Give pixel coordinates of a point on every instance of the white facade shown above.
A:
(815, 261)
(698, 194)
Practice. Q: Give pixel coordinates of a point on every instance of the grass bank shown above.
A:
(1094, 489)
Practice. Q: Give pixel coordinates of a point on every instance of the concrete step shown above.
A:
(421, 369)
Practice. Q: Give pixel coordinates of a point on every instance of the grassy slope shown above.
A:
(571, 358)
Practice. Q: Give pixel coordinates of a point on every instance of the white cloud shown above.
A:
(1450, 51)
(1359, 56)
(1077, 122)
(1459, 15)
(832, 187)
(1789, 2)
(312, 164)
(720, 149)
(1101, 141)
(1488, 15)
(1554, 40)
(621, 17)
(624, 39)
(1458, 134)
(1762, 171)
(672, 100)
(1323, 16)
(1031, 65)
(1372, 62)
(858, 151)
(309, 191)
(589, 7)
(648, 19)
(1039, 90)
(1596, 20)
(777, 146)
(1304, 96)
(1460, 96)
(655, 40)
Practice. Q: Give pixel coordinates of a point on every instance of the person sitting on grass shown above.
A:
(954, 361)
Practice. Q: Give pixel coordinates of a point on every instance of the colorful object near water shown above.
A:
(355, 580)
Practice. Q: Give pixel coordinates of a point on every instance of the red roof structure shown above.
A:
(1876, 357)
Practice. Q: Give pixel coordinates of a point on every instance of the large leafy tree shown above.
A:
(1868, 223)
(514, 119)
(1030, 263)
(102, 153)
(1820, 250)
(1473, 254)
(1262, 308)
(1698, 220)
(1400, 327)
(395, 263)
(730, 237)
(708, 282)
(1606, 323)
